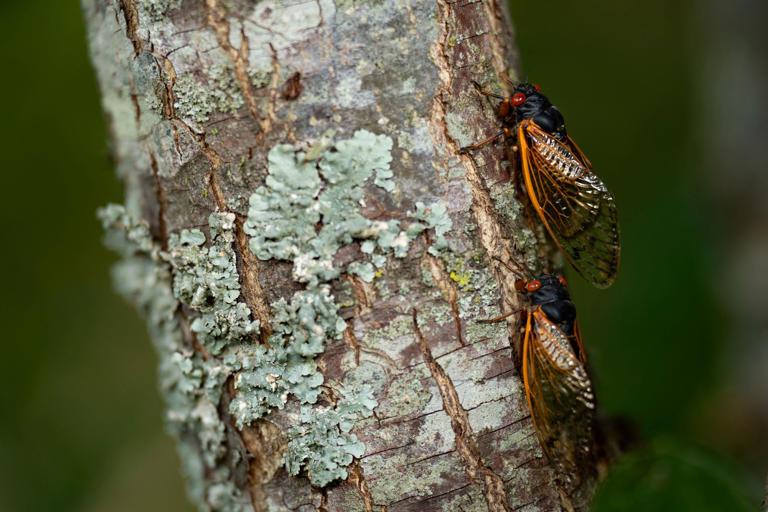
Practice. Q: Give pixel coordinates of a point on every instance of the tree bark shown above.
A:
(316, 317)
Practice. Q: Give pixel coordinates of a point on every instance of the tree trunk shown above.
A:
(313, 255)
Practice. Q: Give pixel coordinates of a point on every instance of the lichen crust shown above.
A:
(308, 210)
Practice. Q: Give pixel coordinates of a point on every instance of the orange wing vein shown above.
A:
(559, 395)
(576, 208)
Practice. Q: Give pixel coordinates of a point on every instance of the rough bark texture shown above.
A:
(197, 93)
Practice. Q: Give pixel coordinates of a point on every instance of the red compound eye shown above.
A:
(532, 286)
(562, 281)
(518, 99)
(537, 87)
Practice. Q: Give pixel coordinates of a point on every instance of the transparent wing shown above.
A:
(576, 208)
(560, 397)
(578, 345)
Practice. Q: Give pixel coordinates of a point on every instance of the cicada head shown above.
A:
(530, 103)
(548, 288)
(528, 100)
(550, 293)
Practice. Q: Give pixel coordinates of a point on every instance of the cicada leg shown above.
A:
(487, 93)
(466, 149)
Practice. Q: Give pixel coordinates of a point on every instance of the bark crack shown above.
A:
(363, 292)
(265, 444)
(168, 72)
(399, 420)
(161, 201)
(498, 53)
(446, 284)
(131, 17)
(136, 108)
(271, 116)
(218, 20)
(493, 486)
(436, 496)
(357, 478)
(388, 449)
(492, 237)
(253, 293)
(349, 337)
(489, 432)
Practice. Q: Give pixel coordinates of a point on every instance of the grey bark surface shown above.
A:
(197, 93)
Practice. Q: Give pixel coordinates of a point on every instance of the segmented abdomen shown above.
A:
(558, 157)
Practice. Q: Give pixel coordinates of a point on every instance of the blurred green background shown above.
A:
(81, 425)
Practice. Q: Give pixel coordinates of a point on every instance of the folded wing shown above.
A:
(560, 397)
(577, 209)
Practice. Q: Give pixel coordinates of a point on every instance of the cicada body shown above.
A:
(576, 208)
(555, 376)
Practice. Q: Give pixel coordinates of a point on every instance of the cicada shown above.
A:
(576, 208)
(555, 375)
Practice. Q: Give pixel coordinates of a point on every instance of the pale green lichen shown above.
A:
(191, 387)
(478, 297)
(365, 373)
(471, 500)
(389, 336)
(435, 216)
(306, 212)
(308, 209)
(429, 475)
(224, 496)
(266, 378)
(301, 193)
(269, 375)
(309, 447)
(308, 320)
(206, 279)
(364, 270)
(404, 397)
(193, 390)
(511, 211)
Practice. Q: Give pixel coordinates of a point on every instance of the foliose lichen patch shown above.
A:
(308, 209)
(308, 445)
(301, 193)
(268, 375)
(220, 92)
(435, 216)
(191, 386)
(206, 279)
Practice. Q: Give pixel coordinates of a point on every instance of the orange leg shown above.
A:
(515, 272)
(487, 93)
(499, 318)
(478, 145)
(467, 149)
